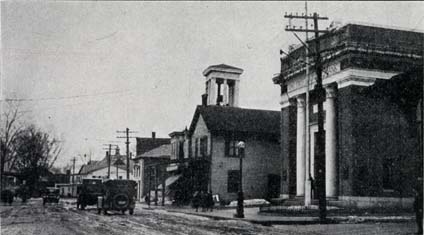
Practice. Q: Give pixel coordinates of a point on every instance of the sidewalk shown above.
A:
(251, 215)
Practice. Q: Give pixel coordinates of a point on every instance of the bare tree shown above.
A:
(36, 152)
(10, 126)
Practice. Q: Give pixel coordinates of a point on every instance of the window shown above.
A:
(196, 148)
(94, 176)
(120, 177)
(233, 182)
(231, 149)
(181, 151)
(204, 146)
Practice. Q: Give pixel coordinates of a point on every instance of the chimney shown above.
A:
(117, 151)
(204, 99)
(153, 135)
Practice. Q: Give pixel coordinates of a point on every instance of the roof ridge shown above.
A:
(241, 108)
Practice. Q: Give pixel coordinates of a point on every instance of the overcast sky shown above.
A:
(88, 69)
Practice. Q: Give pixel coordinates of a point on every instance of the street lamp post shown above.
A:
(240, 198)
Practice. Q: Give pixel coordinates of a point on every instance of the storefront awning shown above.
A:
(170, 180)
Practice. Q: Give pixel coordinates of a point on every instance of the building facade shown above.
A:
(371, 139)
(205, 157)
(152, 172)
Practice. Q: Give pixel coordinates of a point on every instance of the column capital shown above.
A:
(330, 92)
(286, 101)
(300, 101)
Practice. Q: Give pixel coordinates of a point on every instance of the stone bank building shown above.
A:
(373, 78)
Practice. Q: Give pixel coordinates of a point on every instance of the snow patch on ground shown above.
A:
(251, 202)
(181, 214)
(311, 207)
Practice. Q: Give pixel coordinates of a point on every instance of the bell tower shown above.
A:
(222, 85)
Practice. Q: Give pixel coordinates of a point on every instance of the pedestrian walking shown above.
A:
(147, 199)
(203, 200)
(210, 202)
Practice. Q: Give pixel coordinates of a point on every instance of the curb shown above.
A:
(310, 220)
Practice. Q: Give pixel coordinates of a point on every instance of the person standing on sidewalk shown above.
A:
(196, 201)
(210, 202)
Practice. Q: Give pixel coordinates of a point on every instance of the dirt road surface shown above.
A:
(64, 218)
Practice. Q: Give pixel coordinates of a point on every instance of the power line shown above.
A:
(68, 97)
(127, 137)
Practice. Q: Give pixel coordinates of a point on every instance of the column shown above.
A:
(212, 91)
(208, 91)
(300, 147)
(330, 144)
(225, 92)
(236, 93)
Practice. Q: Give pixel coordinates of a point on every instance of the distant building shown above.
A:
(102, 169)
(373, 80)
(145, 144)
(152, 169)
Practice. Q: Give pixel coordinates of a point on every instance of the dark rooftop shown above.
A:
(145, 144)
(232, 119)
(163, 151)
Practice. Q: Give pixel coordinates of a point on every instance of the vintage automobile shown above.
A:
(88, 193)
(119, 195)
(51, 194)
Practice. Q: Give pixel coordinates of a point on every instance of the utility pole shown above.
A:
(127, 137)
(163, 186)
(320, 94)
(109, 156)
(156, 184)
(73, 175)
(308, 183)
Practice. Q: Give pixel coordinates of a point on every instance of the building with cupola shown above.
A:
(205, 156)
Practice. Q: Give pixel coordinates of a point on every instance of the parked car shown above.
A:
(51, 194)
(88, 193)
(7, 196)
(119, 195)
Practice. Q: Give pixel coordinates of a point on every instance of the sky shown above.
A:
(85, 70)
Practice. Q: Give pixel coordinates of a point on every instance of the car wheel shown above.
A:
(105, 212)
(121, 201)
(123, 212)
(99, 211)
(131, 211)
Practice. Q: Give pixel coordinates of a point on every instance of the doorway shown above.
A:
(274, 186)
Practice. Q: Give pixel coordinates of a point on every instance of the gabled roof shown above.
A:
(146, 144)
(222, 68)
(232, 119)
(98, 165)
(163, 151)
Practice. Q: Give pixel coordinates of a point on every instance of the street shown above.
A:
(33, 218)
